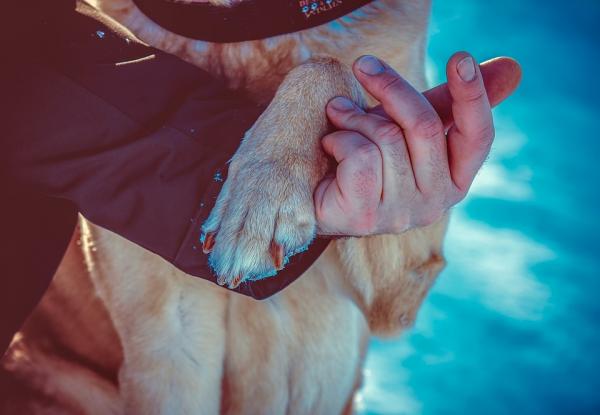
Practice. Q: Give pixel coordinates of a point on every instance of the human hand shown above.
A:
(404, 163)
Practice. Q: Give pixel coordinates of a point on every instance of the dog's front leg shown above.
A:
(265, 212)
(172, 354)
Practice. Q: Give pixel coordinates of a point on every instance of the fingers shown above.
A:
(387, 135)
(359, 172)
(423, 129)
(406, 132)
(355, 191)
(501, 77)
(342, 145)
(471, 136)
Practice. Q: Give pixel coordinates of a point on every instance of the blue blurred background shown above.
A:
(513, 324)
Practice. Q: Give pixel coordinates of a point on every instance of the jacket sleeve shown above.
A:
(136, 138)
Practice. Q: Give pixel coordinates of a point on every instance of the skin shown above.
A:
(404, 163)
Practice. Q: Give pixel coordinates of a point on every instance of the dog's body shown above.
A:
(166, 343)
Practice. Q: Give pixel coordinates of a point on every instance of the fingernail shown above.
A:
(370, 65)
(466, 69)
(341, 104)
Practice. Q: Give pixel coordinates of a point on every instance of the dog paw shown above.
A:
(264, 214)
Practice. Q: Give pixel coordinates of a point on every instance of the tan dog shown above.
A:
(155, 341)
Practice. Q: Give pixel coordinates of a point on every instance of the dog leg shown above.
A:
(173, 353)
(265, 213)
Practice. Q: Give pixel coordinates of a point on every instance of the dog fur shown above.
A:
(123, 332)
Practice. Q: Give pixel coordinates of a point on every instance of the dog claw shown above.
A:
(221, 280)
(236, 282)
(208, 243)
(276, 251)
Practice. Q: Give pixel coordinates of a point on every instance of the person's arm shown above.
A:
(136, 138)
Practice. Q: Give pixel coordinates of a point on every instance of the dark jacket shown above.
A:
(129, 136)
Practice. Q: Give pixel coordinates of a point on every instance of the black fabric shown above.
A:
(35, 232)
(129, 136)
(246, 20)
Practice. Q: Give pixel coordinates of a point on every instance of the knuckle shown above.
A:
(474, 94)
(434, 206)
(457, 195)
(351, 117)
(388, 131)
(430, 199)
(483, 137)
(365, 184)
(487, 133)
(391, 83)
(430, 217)
(433, 194)
(367, 153)
(428, 125)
